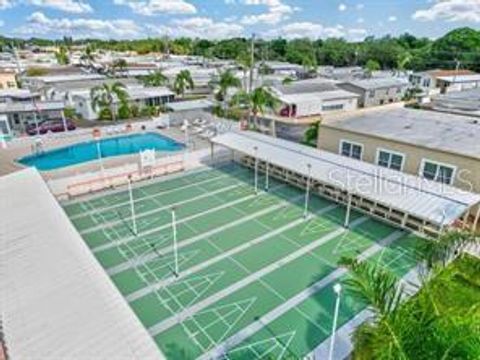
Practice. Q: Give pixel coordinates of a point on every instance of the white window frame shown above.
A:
(438, 163)
(392, 152)
(342, 141)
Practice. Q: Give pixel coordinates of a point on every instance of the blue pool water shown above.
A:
(87, 151)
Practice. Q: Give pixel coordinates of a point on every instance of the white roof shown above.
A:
(68, 77)
(136, 93)
(190, 105)
(428, 200)
(460, 78)
(57, 302)
(317, 97)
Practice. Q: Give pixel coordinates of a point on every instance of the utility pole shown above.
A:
(252, 63)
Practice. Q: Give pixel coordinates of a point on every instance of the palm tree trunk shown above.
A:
(112, 110)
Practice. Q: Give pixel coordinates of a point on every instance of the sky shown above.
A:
(216, 19)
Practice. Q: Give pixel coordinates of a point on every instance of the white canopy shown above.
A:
(56, 300)
(431, 201)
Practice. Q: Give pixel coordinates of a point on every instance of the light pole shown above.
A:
(256, 169)
(266, 176)
(337, 288)
(132, 205)
(175, 249)
(307, 191)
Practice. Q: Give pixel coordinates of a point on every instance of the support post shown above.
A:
(267, 166)
(64, 120)
(337, 288)
(477, 218)
(256, 169)
(211, 151)
(347, 215)
(307, 191)
(132, 205)
(175, 248)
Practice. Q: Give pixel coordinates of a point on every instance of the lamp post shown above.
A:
(255, 149)
(132, 205)
(174, 233)
(307, 191)
(337, 288)
(266, 176)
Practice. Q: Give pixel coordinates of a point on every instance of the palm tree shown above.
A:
(88, 57)
(438, 253)
(120, 65)
(383, 293)
(156, 78)
(227, 80)
(62, 55)
(183, 81)
(244, 61)
(257, 102)
(287, 81)
(104, 97)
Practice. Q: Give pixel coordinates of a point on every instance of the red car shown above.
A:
(49, 125)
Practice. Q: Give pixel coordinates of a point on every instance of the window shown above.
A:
(332, 107)
(438, 172)
(351, 149)
(390, 159)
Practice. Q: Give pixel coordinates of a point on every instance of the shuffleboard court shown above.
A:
(255, 276)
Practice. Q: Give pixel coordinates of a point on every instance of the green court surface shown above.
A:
(255, 277)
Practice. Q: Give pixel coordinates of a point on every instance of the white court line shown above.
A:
(180, 221)
(140, 216)
(224, 254)
(274, 314)
(109, 206)
(124, 266)
(178, 318)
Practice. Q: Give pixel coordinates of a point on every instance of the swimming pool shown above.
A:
(88, 151)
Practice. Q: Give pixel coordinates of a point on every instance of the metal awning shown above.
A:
(57, 301)
(428, 200)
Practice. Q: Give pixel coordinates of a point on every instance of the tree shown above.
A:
(105, 96)
(244, 61)
(88, 56)
(62, 55)
(311, 134)
(227, 80)
(418, 328)
(437, 253)
(257, 102)
(371, 66)
(183, 81)
(119, 65)
(156, 78)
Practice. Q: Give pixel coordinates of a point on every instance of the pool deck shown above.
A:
(23, 146)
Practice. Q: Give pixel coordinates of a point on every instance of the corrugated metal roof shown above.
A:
(378, 83)
(318, 96)
(57, 301)
(428, 200)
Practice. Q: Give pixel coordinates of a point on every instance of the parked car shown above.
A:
(50, 125)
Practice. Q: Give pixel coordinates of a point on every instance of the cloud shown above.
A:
(5, 4)
(392, 18)
(39, 23)
(70, 6)
(277, 11)
(154, 7)
(342, 7)
(316, 31)
(450, 10)
(2, 23)
(201, 27)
